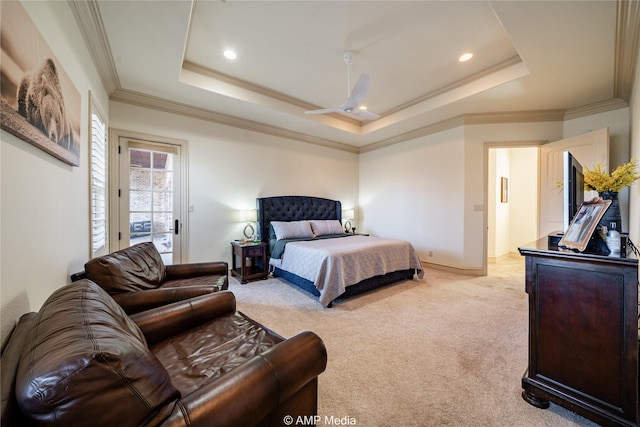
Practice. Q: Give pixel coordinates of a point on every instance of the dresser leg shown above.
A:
(534, 400)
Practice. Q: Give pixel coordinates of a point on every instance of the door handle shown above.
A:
(175, 226)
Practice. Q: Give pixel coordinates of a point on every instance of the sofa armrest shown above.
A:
(181, 271)
(134, 302)
(11, 355)
(253, 390)
(168, 320)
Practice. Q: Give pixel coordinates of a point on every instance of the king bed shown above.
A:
(308, 247)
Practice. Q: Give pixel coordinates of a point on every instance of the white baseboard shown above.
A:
(465, 271)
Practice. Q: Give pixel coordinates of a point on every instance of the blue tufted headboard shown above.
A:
(294, 208)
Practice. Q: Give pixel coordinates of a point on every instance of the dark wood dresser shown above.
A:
(583, 333)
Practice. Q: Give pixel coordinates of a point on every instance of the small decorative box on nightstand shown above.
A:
(253, 260)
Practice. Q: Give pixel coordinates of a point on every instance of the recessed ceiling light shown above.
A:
(465, 57)
(230, 54)
(363, 107)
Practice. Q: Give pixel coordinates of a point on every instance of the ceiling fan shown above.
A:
(352, 105)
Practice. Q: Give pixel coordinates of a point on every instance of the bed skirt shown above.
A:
(358, 288)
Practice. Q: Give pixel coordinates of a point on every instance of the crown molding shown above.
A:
(514, 117)
(626, 47)
(470, 119)
(595, 108)
(535, 116)
(89, 21)
(167, 106)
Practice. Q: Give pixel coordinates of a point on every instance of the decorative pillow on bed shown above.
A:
(292, 229)
(326, 227)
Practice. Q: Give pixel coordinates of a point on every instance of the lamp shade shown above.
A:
(248, 215)
(348, 214)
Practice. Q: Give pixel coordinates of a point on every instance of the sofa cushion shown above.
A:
(219, 281)
(135, 268)
(86, 363)
(213, 349)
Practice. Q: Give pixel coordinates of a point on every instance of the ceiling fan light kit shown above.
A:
(352, 105)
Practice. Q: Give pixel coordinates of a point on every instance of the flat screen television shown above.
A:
(573, 187)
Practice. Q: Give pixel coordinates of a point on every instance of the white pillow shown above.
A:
(325, 227)
(292, 229)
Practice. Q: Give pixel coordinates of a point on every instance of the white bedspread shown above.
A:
(334, 264)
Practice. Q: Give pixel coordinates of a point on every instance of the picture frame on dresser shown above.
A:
(584, 224)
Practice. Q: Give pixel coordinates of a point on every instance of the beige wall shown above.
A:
(523, 212)
(512, 224)
(497, 212)
(412, 191)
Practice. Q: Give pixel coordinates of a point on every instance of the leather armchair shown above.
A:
(137, 278)
(81, 361)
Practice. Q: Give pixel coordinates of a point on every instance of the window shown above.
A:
(98, 184)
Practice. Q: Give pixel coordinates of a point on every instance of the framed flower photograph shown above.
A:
(584, 224)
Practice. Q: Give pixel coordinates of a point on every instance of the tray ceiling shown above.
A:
(528, 57)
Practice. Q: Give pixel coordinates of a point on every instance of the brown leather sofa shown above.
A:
(137, 278)
(81, 361)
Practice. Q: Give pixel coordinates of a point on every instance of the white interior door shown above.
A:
(588, 149)
(150, 197)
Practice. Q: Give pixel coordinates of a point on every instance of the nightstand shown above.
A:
(255, 254)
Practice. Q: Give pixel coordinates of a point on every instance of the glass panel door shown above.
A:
(152, 192)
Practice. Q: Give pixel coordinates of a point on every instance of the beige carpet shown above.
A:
(448, 350)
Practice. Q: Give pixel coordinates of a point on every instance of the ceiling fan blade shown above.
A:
(324, 111)
(367, 115)
(351, 106)
(359, 90)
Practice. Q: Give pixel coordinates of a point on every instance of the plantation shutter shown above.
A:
(99, 243)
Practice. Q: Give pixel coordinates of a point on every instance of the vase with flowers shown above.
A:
(609, 185)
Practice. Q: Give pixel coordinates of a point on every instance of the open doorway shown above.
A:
(533, 206)
(512, 200)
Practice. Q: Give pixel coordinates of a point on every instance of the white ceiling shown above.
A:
(528, 56)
